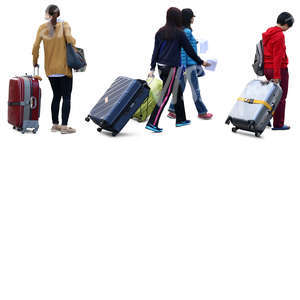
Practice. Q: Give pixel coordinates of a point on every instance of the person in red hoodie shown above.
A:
(276, 63)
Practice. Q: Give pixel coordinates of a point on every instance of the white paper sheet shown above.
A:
(203, 45)
(213, 63)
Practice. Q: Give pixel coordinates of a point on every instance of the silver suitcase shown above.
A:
(255, 108)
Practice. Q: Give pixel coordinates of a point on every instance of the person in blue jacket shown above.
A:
(190, 66)
(169, 41)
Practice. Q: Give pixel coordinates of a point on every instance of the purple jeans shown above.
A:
(280, 111)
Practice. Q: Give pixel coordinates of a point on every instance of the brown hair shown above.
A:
(53, 11)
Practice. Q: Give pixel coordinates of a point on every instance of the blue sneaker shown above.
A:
(154, 128)
(284, 127)
(183, 123)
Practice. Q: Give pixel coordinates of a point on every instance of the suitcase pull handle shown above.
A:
(33, 103)
(36, 72)
(37, 67)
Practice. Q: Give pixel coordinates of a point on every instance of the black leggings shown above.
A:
(62, 88)
(171, 80)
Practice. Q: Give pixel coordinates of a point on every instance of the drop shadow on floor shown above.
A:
(248, 134)
(122, 134)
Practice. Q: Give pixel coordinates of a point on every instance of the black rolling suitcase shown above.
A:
(119, 104)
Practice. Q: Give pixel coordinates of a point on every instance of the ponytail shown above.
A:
(54, 12)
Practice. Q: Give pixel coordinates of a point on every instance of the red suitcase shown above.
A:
(24, 103)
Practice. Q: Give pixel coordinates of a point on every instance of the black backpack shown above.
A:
(258, 65)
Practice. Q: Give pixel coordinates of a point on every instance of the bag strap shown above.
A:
(64, 34)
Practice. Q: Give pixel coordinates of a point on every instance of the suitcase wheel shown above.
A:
(23, 131)
(99, 129)
(257, 134)
(114, 133)
(87, 119)
(34, 131)
(234, 129)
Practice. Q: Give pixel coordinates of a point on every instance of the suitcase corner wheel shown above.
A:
(113, 133)
(228, 121)
(88, 119)
(257, 134)
(24, 130)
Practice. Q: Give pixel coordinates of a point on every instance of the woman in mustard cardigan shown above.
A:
(55, 34)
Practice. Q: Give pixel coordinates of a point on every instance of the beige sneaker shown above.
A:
(56, 128)
(67, 130)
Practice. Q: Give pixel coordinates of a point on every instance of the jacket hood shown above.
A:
(271, 33)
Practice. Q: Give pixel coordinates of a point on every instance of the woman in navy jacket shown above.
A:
(167, 55)
(191, 70)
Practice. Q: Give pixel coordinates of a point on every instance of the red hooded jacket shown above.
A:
(275, 51)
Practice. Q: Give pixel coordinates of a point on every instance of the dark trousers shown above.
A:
(279, 115)
(62, 88)
(171, 84)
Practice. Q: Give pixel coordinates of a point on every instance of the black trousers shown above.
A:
(62, 88)
(171, 84)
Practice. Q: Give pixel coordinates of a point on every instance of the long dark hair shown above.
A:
(174, 22)
(53, 11)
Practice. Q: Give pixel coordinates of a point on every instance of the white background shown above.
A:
(192, 213)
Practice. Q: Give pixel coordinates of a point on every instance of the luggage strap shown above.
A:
(254, 101)
(16, 103)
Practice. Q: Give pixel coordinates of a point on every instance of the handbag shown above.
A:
(75, 57)
(200, 71)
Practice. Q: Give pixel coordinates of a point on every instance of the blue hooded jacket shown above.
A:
(185, 59)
